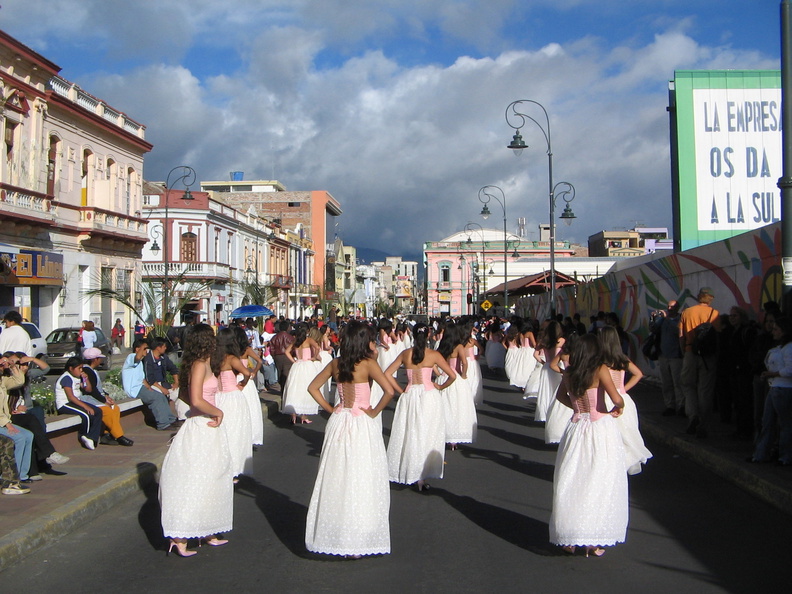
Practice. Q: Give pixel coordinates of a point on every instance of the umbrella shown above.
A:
(251, 311)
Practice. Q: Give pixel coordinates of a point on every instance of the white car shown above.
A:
(39, 344)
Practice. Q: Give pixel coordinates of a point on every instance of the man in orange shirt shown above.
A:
(698, 371)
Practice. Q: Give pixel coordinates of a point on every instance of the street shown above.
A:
(481, 528)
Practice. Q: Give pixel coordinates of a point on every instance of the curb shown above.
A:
(700, 454)
(44, 530)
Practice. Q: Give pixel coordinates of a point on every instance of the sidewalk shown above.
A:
(96, 480)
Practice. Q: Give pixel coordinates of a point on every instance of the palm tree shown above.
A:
(163, 314)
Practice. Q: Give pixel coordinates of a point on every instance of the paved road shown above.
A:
(482, 528)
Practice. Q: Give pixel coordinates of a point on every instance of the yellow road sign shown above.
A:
(486, 305)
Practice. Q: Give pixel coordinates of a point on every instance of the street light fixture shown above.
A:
(516, 118)
(187, 176)
(485, 195)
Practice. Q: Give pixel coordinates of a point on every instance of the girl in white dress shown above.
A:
(512, 344)
(473, 349)
(459, 409)
(590, 499)
(618, 363)
(304, 355)
(525, 359)
(416, 448)
(348, 512)
(551, 344)
(232, 401)
(195, 489)
(250, 392)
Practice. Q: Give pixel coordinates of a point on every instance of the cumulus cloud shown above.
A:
(376, 103)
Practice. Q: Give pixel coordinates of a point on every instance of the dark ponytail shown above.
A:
(419, 343)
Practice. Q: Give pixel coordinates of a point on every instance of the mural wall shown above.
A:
(744, 270)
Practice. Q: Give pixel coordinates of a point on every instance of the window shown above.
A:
(52, 165)
(445, 273)
(189, 247)
(294, 204)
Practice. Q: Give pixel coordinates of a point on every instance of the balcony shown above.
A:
(96, 221)
(280, 281)
(26, 206)
(192, 270)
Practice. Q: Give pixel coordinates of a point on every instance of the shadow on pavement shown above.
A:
(149, 514)
(286, 517)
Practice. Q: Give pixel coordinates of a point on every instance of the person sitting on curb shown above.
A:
(43, 453)
(68, 400)
(12, 377)
(157, 366)
(133, 376)
(9, 475)
(93, 394)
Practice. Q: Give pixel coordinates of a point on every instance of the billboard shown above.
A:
(404, 287)
(726, 153)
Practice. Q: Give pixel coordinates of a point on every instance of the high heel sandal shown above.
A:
(181, 548)
(569, 549)
(213, 541)
(596, 551)
(423, 486)
(306, 421)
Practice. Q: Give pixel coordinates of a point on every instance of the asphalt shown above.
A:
(96, 481)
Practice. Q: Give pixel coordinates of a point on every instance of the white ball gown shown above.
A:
(548, 384)
(196, 490)
(511, 364)
(590, 498)
(296, 399)
(474, 376)
(236, 423)
(250, 392)
(416, 448)
(459, 409)
(348, 512)
(636, 453)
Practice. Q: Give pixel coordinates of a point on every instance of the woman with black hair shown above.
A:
(304, 356)
(619, 364)
(550, 345)
(472, 350)
(459, 409)
(196, 493)
(416, 449)
(348, 512)
(234, 377)
(249, 391)
(590, 499)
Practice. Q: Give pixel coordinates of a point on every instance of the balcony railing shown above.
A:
(196, 270)
(280, 281)
(25, 202)
(111, 222)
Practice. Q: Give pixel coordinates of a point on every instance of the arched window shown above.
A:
(52, 165)
(189, 247)
(85, 176)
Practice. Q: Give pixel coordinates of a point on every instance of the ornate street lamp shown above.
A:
(485, 195)
(516, 118)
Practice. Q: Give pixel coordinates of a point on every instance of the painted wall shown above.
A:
(744, 271)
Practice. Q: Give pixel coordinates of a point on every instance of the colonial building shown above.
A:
(70, 196)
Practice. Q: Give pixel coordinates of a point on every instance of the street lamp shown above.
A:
(516, 119)
(485, 195)
(186, 175)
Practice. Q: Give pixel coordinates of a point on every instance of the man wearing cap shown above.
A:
(666, 325)
(92, 393)
(698, 371)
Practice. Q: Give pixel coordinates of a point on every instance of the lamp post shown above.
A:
(186, 175)
(485, 195)
(516, 119)
(469, 243)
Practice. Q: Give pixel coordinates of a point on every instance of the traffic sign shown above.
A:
(486, 305)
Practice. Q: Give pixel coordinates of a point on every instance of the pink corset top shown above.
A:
(228, 381)
(304, 354)
(618, 379)
(354, 398)
(471, 352)
(209, 389)
(421, 376)
(591, 403)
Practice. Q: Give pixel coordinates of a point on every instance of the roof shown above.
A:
(534, 284)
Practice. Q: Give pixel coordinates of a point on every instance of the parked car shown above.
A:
(63, 343)
(36, 339)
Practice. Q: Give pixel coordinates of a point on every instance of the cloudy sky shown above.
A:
(396, 107)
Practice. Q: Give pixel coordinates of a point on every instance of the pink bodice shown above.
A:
(304, 354)
(618, 379)
(420, 376)
(209, 389)
(551, 353)
(228, 381)
(386, 339)
(591, 403)
(471, 352)
(526, 341)
(354, 398)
